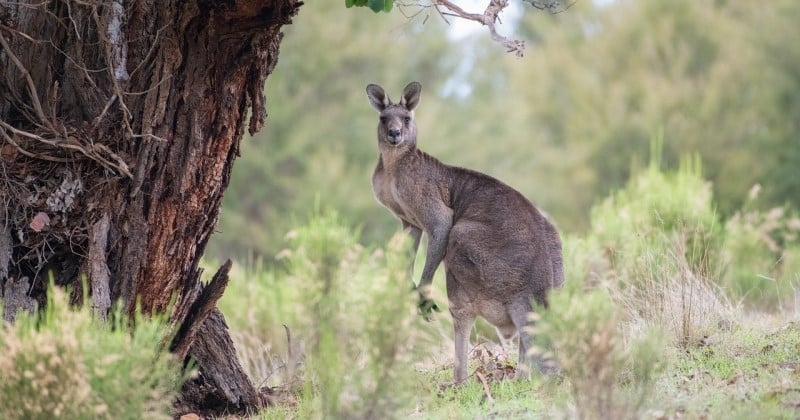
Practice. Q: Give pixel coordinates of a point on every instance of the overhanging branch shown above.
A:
(489, 18)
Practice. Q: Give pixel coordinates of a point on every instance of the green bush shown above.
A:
(761, 253)
(65, 364)
(655, 246)
(656, 210)
(352, 318)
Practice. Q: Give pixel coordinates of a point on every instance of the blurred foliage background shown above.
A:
(565, 125)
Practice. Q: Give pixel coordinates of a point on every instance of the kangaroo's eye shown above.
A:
(407, 120)
(383, 120)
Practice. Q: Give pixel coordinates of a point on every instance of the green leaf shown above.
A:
(376, 5)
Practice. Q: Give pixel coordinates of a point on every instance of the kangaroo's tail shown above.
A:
(556, 256)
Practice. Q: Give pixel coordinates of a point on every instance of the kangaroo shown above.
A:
(500, 253)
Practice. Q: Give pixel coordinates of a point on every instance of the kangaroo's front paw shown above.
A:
(426, 305)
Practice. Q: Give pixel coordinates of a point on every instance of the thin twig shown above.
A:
(31, 154)
(110, 102)
(33, 93)
(92, 151)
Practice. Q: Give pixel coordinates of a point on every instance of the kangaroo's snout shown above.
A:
(393, 136)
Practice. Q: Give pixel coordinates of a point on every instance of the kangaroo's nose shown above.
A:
(394, 133)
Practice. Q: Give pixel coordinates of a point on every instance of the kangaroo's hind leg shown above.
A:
(518, 312)
(463, 320)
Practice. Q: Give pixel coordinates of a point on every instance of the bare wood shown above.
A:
(6, 250)
(232, 392)
(13, 292)
(199, 310)
(16, 298)
(98, 268)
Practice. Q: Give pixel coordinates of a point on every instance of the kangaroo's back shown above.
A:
(506, 232)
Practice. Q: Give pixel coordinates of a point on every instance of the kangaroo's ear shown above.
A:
(377, 97)
(411, 95)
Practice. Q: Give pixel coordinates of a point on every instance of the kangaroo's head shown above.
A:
(396, 127)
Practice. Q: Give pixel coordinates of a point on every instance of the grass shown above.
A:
(751, 371)
(499, 399)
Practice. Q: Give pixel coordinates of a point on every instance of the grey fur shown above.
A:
(500, 253)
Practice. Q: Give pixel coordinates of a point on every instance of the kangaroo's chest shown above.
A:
(385, 189)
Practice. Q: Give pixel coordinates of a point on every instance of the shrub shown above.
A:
(654, 211)
(352, 318)
(65, 364)
(761, 249)
(607, 377)
(655, 246)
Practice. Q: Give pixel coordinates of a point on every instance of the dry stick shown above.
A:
(34, 94)
(32, 154)
(118, 91)
(99, 118)
(149, 51)
(93, 152)
(460, 12)
(289, 351)
(120, 166)
(110, 66)
(486, 391)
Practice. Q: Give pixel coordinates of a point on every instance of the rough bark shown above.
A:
(119, 123)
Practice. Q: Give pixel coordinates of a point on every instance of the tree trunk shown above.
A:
(119, 123)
